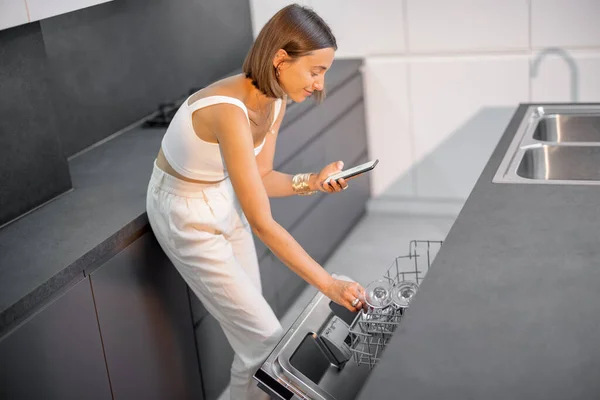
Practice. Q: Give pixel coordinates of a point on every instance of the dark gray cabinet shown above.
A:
(146, 325)
(198, 310)
(294, 137)
(57, 353)
(216, 356)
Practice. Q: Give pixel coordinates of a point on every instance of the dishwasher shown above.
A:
(329, 351)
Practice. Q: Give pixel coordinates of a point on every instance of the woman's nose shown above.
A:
(318, 85)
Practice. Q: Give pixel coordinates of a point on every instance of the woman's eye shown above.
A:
(314, 75)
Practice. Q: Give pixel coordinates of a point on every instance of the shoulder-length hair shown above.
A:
(296, 29)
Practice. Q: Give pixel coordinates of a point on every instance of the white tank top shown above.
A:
(191, 156)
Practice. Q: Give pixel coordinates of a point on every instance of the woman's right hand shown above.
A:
(345, 292)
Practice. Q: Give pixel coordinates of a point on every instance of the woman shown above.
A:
(213, 177)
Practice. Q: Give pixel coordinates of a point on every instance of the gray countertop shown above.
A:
(66, 238)
(511, 306)
(55, 244)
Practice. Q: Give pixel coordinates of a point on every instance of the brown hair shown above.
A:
(296, 29)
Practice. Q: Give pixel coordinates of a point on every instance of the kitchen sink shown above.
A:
(577, 163)
(568, 128)
(554, 145)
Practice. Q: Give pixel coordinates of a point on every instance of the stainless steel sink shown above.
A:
(568, 128)
(579, 163)
(554, 145)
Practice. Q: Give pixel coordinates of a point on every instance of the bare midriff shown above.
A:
(163, 164)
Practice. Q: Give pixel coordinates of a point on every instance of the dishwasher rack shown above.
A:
(371, 331)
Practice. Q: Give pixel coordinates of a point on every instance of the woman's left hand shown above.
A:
(332, 186)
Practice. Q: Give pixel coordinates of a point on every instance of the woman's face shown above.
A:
(300, 77)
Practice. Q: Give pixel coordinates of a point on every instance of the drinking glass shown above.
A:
(378, 294)
(403, 293)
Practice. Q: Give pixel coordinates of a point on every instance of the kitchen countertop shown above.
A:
(510, 308)
(61, 242)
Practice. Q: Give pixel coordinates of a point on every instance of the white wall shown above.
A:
(18, 12)
(12, 13)
(438, 71)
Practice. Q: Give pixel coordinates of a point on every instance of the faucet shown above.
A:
(570, 62)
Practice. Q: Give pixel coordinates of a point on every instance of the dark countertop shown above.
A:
(60, 242)
(47, 249)
(511, 306)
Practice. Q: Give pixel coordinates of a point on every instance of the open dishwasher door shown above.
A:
(328, 352)
(313, 358)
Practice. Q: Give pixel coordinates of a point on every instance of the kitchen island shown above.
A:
(511, 306)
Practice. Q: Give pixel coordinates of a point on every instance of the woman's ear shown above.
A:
(280, 57)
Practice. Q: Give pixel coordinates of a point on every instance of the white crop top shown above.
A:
(191, 156)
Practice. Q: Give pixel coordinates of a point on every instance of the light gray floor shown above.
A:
(369, 250)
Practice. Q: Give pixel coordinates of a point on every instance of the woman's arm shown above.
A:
(231, 128)
(278, 184)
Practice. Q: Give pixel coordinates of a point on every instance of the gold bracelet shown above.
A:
(301, 186)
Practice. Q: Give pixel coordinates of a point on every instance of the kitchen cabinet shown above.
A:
(294, 136)
(56, 353)
(215, 355)
(146, 325)
(198, 310)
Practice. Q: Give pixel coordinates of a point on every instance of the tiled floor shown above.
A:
(369, 250)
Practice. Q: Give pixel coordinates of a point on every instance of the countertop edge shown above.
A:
(78, 270)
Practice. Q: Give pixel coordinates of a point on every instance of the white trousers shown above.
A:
(205, 234)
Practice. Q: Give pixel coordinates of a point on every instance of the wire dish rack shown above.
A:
(371, 331)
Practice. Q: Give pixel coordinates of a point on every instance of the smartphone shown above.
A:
(349, 173)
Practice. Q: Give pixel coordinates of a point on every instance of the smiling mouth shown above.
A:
(309, 93)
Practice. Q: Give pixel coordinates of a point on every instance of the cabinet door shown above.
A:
(294, 137)
(337, 78)
(57, 353)
(216, 356)
(146, 325)
(198, 310)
